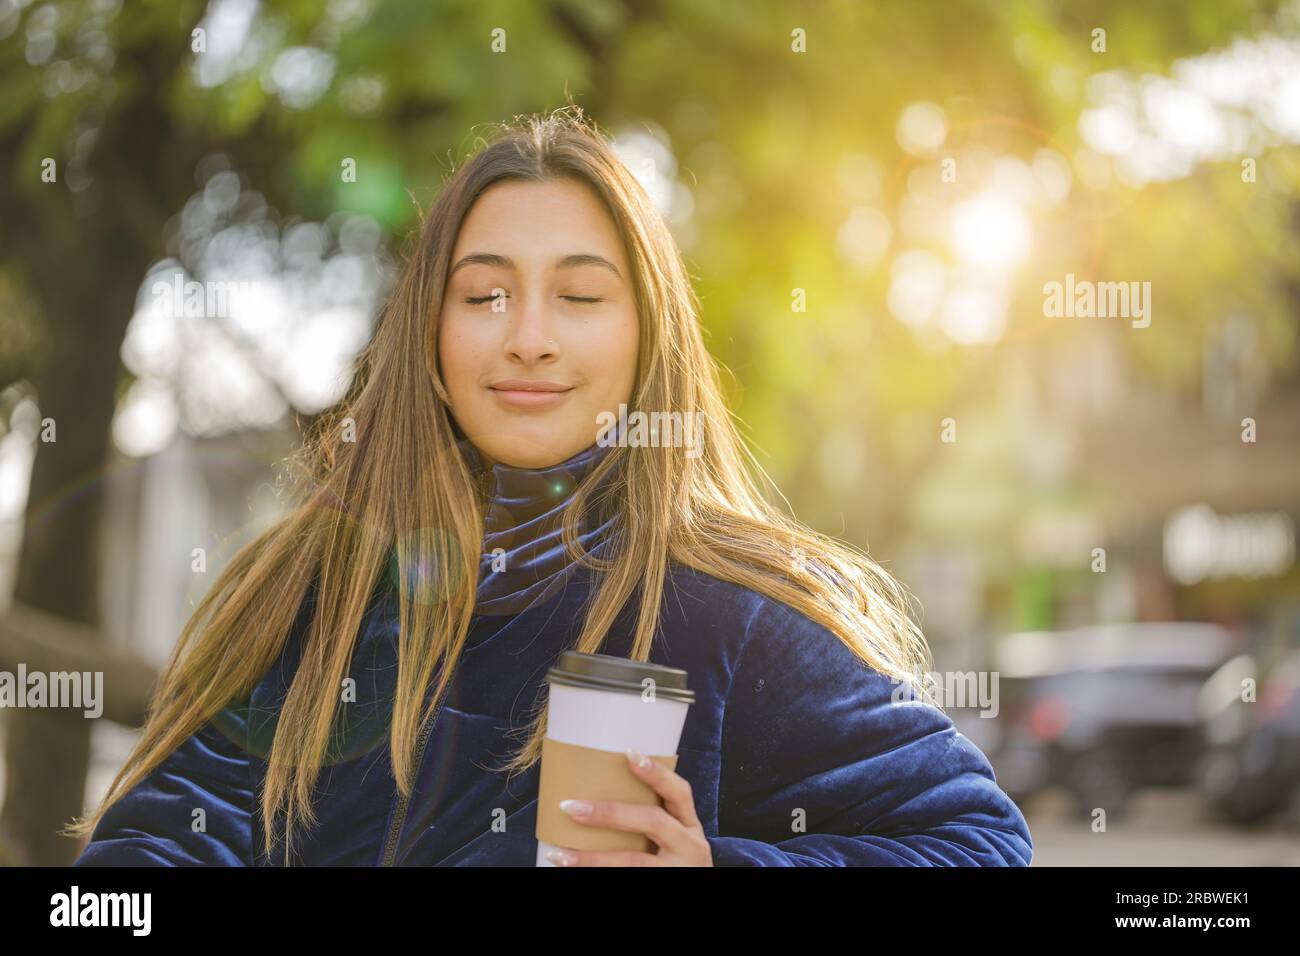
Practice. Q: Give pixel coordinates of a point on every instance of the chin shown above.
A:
(530, 450)
(516, 460)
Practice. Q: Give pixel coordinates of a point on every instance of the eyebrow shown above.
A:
(565, 262)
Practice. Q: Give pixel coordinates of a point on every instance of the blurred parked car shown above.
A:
(1251, 713)
(1105, 710)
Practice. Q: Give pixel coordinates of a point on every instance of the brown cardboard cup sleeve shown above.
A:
(574, 772)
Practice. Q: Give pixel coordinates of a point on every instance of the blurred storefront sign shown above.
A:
(1201, 544)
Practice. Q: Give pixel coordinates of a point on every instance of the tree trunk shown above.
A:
(88, 302)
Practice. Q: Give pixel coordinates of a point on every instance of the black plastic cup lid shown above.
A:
(606, 672)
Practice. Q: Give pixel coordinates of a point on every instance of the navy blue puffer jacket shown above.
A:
(787, 726)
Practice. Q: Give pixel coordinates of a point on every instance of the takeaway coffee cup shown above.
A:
(599, 707)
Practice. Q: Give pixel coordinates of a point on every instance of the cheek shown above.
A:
(460, 356)
(617, 348)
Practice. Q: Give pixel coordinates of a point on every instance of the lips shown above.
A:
(529, 393)
(529, 385)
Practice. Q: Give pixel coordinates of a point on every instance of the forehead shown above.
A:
(536, 223)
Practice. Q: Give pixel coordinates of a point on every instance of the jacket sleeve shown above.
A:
(827, 763)
(155, 824)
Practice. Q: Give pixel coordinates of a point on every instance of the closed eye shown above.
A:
(479, 300)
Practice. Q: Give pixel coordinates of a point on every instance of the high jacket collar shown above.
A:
(523, 561)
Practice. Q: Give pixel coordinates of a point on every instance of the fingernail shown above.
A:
(560, 857)
(575, 808)
(638, 758)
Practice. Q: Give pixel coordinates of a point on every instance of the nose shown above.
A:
(529, 339)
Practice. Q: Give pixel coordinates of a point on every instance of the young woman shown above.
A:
(365, 683)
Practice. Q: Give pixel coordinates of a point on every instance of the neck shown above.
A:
(523, 560)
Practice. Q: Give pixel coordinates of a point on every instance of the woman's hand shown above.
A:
(673, 828)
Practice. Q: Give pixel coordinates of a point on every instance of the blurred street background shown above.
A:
(888, 210)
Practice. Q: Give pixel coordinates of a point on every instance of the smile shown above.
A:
(529, 395)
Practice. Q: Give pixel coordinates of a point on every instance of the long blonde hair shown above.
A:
(371, 500)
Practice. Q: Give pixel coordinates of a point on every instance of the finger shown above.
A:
(672, 786)
(653, 820)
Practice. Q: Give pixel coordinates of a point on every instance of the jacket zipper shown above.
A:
(399, 812)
